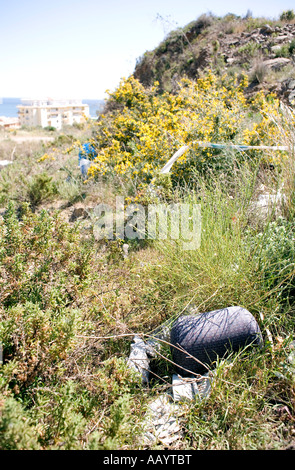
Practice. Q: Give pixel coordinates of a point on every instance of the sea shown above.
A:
(8, 106)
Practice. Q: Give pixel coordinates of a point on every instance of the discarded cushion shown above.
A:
(210, 335)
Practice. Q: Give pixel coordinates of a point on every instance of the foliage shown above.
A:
(16, 429)
(69, 304)
(287, 15)
(46, 269)
(39, 259)
(135, 140)
(40, 189)
(274, 252)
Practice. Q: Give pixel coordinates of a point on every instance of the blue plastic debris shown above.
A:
(86, 154)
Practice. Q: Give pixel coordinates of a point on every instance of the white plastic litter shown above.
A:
(84, 165)
(138, 359)
(161, 422)
(184, 148)
(125, 249)
(5, 163)
(191, 388)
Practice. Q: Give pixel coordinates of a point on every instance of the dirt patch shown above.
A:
(26, 138)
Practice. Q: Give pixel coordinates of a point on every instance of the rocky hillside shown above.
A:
(264, 49)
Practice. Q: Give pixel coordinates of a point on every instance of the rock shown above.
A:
(277, 63)
(288, 90)
(267, 29)
(283, 38)
(291, 84)
(276, 48)
(78, 212)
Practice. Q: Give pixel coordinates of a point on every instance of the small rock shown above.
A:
(277, 63)
(77, 213)
(267, 29)
(283, 38)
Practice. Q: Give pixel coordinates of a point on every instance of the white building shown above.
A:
(49, 112)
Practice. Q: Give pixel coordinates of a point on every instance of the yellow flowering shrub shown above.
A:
(143, 128)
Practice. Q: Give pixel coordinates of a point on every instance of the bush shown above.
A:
(287, 15)
(39, 189)
(274, 254)
(17, 431)
(37, 340)
(137, 140)
(258, 72)
(39, 259)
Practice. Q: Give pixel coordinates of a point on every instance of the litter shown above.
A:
(86, 154)
(138, 359)
(4, 163)
(161, 422)
(198, 340)
(288, 366)
(193, 338)
(191, 388)
(125, 249)
(84, 166)
(166, 168)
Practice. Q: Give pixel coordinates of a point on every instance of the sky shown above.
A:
(81, 48)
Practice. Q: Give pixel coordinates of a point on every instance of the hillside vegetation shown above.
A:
(261, 48)
(72, 301)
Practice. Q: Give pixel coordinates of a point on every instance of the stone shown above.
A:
(277, 63)
(283, 38)
(267, 29)
(78, 212)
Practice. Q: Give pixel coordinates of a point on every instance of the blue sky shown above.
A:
(80, 48)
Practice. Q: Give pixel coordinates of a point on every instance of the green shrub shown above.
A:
(287, 15)
(284, 51)
(292, 47)
(17, 431)
(39, 259)
(274, 254)
(40, 188)
(37, 340)
(249, 50)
